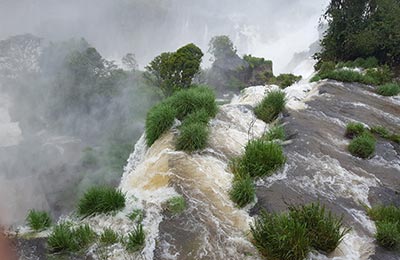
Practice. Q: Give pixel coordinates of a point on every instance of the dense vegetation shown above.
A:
(292, 235)
(387, 225)
(362, 29)
(270, 107)
(38, 220)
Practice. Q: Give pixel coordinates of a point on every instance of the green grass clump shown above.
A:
(354, 129)
(136, 239)
(385, 133)
(159, 119)
(294, 234)
(109, 237)
(101, 200)
(315, 78)
(277, 132)
(279, 236)
(323, 228)
(344, 76)
(387, 219)
(388, 234)
(199, 116)
(270, 107)
(192, 137)
(243, 191)
(136, 215)
(284, 80)
(62, 239)
(193, 99)
(176, 205)
(83, 235)
(390, 89)
(38, 220)
(262, 158)
(362, 146)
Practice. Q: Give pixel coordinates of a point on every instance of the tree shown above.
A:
(221, 47)
(171, 71)
(129, 60)
(360, 29)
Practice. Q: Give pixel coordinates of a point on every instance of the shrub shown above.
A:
(192, 137)
(354, 129)
(109, 237)
(384, 213)
(159, 119)
(83, 235)
(200, 116)
(315, 78)
(285, 80)
(324, 229)
(362, 146)
(136, 215)
(276, 132)
(278, 236)
(101, 200)
(262, 158)
(136, 239)
(388, 234)
(193, 99)
(62, 239)
(343, 75)
(270, 106)
(176, 205)
(243, 191)
(38, 220)
(391, 89)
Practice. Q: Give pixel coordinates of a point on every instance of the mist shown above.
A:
(51, 146)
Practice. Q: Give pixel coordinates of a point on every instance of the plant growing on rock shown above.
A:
(159, 119)
(109, 237)
(362, 146)
(354, 129)
(243, 191)
(270, 107)
(176, 205)
(136, 239)
(390, 89)
(192, 137)
(38, 220)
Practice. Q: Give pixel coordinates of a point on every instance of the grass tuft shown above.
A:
(101, 200)
(192, 137)
(136, 215)
(243, 191)
(136, 239)
(390, 89)
(62, 239)
(176, 205)
(354, 129)
(159, 119)
(323, 228)
(276, 132)
(38, 220)
(83, 235)
(109, 237)
(362, 146)
(270, 107)
(262, 158)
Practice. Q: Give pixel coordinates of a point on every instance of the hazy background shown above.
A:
(54, 145)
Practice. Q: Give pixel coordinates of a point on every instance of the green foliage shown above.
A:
(323, 228)
(136, 215)
(200, 116)
(362, 29)
(343, 75)
(270, 107)
(136, 239)
(390, 89)
(243, 191)
(159, 119)
(176, 205)
(83, 236)
(387, 220)
(193, 99)
(354, 129)
(221, 47)
(368, 63)
(276, 132)
(315, 78)
(62, 239)
(173, 71)
(38, 220)
(109, 237)
(262, 158)
(279, 236)
(101, 200)
(385, 133)
(362, 146)
(192, 137)
(284, 80)
(292, 235)
(256, 62)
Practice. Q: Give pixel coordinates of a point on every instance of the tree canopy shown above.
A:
(221, 47)
(361, 29)
(171, 71)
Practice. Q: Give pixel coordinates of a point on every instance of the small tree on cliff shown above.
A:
(221, 47)
(171, 71)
